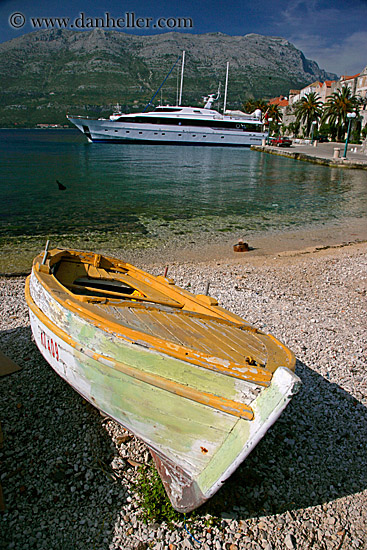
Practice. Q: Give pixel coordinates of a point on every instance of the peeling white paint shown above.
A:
(107, 362)
(218, 361)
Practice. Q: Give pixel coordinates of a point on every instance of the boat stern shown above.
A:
(244, 437)
(186, 492)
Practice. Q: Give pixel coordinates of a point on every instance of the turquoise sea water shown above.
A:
(144, 195)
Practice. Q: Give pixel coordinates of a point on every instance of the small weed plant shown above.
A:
(153, 498)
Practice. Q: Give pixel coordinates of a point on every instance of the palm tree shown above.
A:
(339, 104)
(252, 104)
(249, 106)
(308, 109)
(293, 128)
(362, 102)
(260, 104)
(274, 112)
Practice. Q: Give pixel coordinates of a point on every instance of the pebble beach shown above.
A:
(69, 475)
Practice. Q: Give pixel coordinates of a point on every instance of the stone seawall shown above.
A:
(307, 157)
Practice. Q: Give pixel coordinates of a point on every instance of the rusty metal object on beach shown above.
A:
(241, 247)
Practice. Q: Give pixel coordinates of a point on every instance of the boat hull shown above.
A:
(108, 131)
(195, 446)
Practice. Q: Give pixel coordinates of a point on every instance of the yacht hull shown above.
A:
(107, 131)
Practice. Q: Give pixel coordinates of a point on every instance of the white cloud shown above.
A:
(345, 56)
(332, 34)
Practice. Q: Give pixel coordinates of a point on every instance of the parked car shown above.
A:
(280, 141)
(322, 138)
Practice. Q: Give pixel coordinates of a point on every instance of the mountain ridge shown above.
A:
(46, 73)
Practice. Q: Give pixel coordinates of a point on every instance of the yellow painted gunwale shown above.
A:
(200, 305)
(225, 405)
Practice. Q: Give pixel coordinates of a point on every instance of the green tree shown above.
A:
(252, 104)
(249, 106)
(362, 102)
(293, 128)
(307, 110)
(273, 112)
(339, 104)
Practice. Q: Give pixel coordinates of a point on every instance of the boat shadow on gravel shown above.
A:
(313, 454)
(56, 457)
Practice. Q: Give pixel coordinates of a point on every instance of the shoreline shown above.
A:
(263, 246)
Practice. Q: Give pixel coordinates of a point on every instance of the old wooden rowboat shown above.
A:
(198, 384)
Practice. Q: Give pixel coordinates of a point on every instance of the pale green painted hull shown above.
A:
(196, 447)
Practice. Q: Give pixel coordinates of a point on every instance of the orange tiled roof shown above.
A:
(345, 77)
(280, 101)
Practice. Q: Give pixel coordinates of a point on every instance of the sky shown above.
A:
(331, 32)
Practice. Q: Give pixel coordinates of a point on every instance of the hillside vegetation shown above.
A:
(47, 73)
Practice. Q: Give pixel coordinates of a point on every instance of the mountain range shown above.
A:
(47, 73)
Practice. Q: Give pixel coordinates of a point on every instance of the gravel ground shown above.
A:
(69, 475)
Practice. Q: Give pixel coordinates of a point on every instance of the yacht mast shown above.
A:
(182, 73)
(225, 91)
